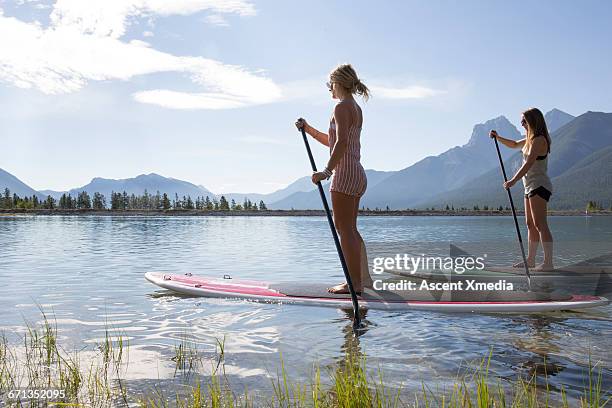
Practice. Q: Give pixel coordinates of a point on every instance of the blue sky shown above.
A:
(208, 91)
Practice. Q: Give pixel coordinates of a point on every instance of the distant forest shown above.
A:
(160, 202)
(123, 201)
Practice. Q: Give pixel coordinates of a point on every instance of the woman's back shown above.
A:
(537, 175)
(349, 176)
(354, 134)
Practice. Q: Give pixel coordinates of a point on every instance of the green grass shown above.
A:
(39, 362)
(186, 356)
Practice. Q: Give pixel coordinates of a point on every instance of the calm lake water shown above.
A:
(87, 272)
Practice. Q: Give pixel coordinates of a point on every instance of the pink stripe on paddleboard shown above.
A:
(258, 288)
(215, 281)
(575, 298)
(241, 288)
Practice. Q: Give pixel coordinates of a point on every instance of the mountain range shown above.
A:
(16, 186)
(462, 176)
(432, 175)
(417, 184)
(151, 182)
(579, 166)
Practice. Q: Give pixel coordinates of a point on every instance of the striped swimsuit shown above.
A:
(349, 177)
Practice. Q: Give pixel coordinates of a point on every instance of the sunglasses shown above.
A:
(523, 122)
(330, 86)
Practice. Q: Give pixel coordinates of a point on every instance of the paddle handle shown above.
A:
(516, 225)
(330, 220)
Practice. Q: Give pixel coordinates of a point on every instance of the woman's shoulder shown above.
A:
(342, 107)
(540, 144)
(346, 106)
(540, 139)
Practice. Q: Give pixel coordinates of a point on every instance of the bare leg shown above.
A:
(533, 238)
(538, 209)
(366, 280)
(344, 215)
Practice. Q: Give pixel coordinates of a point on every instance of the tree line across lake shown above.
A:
(125, 201)
(160, 202)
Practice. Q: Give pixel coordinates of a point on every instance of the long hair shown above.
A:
(346, 76)
(537, 127)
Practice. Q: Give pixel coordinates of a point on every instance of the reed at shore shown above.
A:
(96, 377)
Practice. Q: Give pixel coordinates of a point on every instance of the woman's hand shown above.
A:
(513, 144)
(301, 123)
(318, 176)
(509, 183)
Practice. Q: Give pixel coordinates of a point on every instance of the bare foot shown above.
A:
(342, 289)
(530, 264)
(544, 268)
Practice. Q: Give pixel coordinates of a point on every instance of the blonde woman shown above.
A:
(538, 187)
(348, 178)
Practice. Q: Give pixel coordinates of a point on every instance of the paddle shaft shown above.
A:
(356, 321)
(518, 230)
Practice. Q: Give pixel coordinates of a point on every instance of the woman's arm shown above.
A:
(342, 116)
(513, 144)
(320, 137)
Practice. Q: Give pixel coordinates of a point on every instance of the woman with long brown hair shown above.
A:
(348, 178)
(538, 187)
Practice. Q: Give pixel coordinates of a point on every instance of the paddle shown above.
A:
(518, 231)
(356, 319)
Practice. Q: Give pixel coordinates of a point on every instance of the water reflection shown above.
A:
(351, 345)
(87, 273)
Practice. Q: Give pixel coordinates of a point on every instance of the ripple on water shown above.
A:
(87, 275)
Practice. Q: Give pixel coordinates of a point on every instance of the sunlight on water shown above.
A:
(86, 273)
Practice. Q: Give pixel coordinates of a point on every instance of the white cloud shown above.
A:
(61, 60)
(410, 92)
(314, 88)
(83, 44)
(41, 6)
(111, 17)
(139, 43)
(216, 20)
(185, 100)
(231, 86)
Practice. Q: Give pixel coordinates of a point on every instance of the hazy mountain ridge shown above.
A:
(151, 182)
(464, 175)
(303, 184)
(435, 174)
(16, 186)
(575, 193)
(578, 143)
(556, 119)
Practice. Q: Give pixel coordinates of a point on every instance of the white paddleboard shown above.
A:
(317, 295)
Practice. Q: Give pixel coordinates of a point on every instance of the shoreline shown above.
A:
(281, 213)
